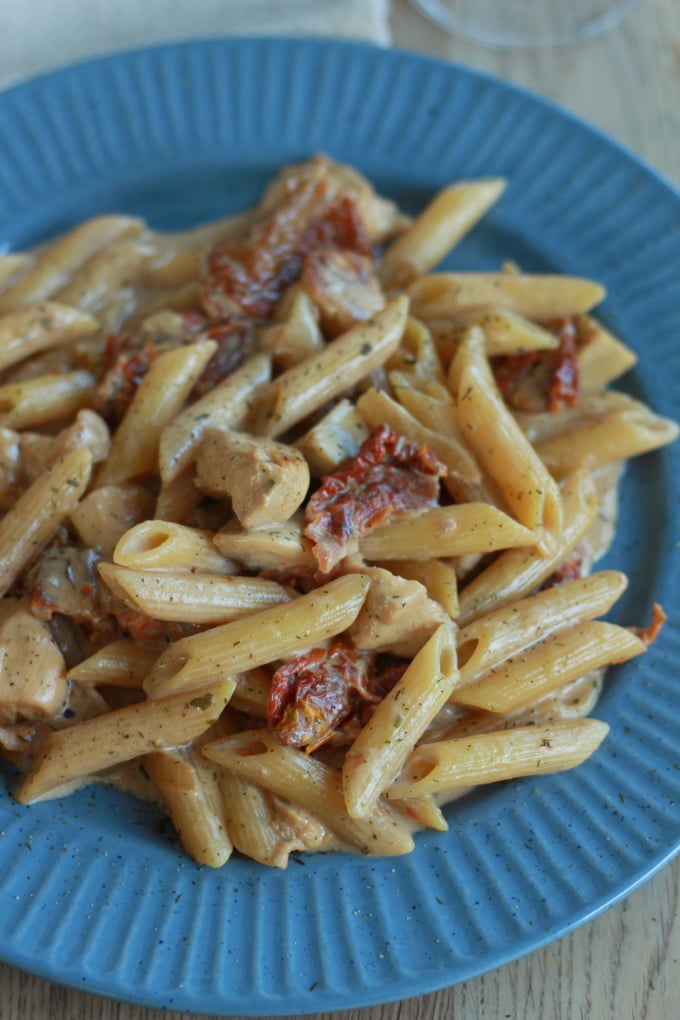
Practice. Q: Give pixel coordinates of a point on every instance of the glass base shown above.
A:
(510, 24)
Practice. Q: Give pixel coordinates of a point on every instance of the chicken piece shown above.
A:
(103, 516)
(398, 615)
(265, 480)
(64, 582)
(381, 217)
(280, 549)
(335, 438)
(344, 287)
(39, 452)
(33, 681)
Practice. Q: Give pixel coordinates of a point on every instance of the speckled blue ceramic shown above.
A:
(95, 890)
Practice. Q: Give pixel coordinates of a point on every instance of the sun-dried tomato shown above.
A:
(126, 362)
(650, 633)
(143, 628)
(389, 475)
(570, 570)
(541, 380)
(325, 695)
(248, 276)
(513, 369)
(564, 387)
(231, 339)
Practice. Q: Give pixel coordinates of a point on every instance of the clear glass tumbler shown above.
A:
(506, 24)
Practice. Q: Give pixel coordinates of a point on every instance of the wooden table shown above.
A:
(625, 965)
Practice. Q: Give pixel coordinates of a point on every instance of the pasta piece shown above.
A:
(33, 520)
(11, 265)
(499, 445)
(45, 399)
(449, 216)
(102, 279)
(541, 298)
(266, 481)
(226, 406)
(177, 498)
(252, 692)
(488, 641)
(119, 664)
(251, 821)
(312, 785)
(463, 478)
(60, 260)
(104, 515)
(190, 790)
(519, 571)
(417, 354)
(617, 436)
(38, 328)
(398, 722)
(505, 333)
(295, 333)
(491, 757)
(191, 597)
(307, 386)
(174, 269)
(115, 737)
(161, 545)
(444, 531)
(601, 356)
(271, 634)
(552, 663)
(157, 400)
(438, 577)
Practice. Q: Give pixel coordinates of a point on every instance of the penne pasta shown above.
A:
(540, 298)
(311, 784)
(190, 790)
(45, 399)
(33, 520)
(61, 259)
(121, 663)
(490, 640)
(165, 545)
(505, 333)
(552, 663)
(38, 328)
(343, 362)
(519, 571)
(119, 736)
(191, 597)
(445, 531)
(499, 445)
(227, 406)
(399, 721)
(271, 634)
(161, 394)
(492, 757)
(441, 225)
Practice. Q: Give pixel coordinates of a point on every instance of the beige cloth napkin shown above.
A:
(40, 35)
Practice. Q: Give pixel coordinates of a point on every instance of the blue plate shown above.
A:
(95, 891)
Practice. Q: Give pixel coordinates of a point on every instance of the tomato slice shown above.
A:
(389, 475)
(323, 695)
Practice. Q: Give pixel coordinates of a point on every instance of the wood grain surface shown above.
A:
(624, 965)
